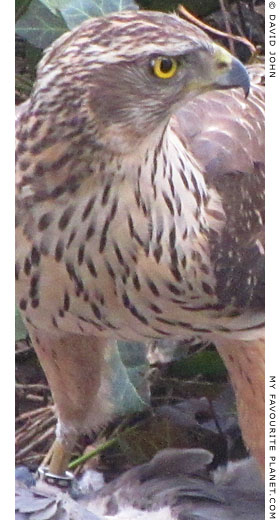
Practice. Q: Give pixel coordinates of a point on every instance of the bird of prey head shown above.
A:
(130, 71)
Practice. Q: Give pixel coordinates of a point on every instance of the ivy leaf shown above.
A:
(129, 392)
(21, 6)
(55, 5)
(39, 26)
(208, 363)
(20, 330)
(75, 12)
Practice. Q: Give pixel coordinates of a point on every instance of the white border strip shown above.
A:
(7, 307)
(273, 259)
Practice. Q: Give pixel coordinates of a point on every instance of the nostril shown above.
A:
(222, 65)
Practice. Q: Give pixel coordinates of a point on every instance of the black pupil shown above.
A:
(166, 65)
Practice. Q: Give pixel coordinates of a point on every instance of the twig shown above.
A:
(36, 387)
(36, 442)
(241, 18)
(32, 413)
(35, 398)
(34, 422)
(93, 453)
(191, 18)
(227, 26)
(251, 5)
(100, 449)
(30, 459)
(27, 425)
(22, 348)
(34, 429)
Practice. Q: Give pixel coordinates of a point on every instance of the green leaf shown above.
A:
(55, 5)
(75, 12)
(33, 56)
(129, 392)
(21, 331)
(207, 363)
(21, 6)
(40, 26)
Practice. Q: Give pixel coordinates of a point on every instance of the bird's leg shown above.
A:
(245, 361)
(79, 381)
(57, 458)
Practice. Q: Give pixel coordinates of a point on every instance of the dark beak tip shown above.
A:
(246, 91)
(241, 75)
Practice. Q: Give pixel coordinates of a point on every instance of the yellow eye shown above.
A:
(164, 68)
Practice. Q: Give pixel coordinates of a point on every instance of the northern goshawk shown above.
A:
(140, 194)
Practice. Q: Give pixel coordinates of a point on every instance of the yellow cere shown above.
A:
(164, 67)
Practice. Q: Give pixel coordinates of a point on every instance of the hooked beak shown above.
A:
(230, 72)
